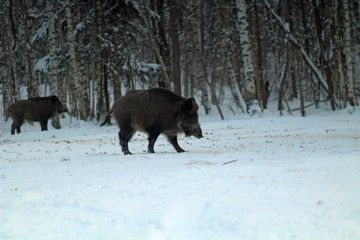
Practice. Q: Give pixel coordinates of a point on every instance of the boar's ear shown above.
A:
(54, 98)
(190, 105)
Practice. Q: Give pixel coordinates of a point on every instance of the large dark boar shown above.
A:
(155, 111)
(37, 109)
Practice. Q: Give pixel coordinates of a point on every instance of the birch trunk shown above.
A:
(247, 56)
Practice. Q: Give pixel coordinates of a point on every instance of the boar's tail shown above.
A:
(107, 118)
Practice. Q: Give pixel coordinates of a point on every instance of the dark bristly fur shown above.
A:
(155, 111)
(38, 109)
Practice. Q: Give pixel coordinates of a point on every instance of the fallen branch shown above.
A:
(309, 105)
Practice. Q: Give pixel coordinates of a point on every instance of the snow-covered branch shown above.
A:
(286, 28)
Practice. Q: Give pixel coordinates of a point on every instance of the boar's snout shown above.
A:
(63, 108)
(196, 132)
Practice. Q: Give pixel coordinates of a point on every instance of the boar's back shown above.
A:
(148, 107)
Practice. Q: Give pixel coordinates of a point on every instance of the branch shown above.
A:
(155, 48)
(309, 105)
(285, 27)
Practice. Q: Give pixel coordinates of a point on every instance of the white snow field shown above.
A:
(262, 177)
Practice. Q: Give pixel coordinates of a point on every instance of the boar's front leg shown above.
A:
(154, 133)
(43, 124)
(173, 140)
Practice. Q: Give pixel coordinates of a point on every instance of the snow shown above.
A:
(260, 177)
(40, 33)
(42, 65)
(79, 28)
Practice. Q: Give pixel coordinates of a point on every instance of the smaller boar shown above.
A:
(155, 111)
(37, 109)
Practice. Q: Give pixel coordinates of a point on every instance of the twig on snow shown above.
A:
(230, 161)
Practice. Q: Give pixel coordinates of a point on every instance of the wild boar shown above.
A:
(37, 109)
(155, 111)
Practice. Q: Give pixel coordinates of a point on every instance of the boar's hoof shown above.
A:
(180, 150)
(151, 151)
(127, 152)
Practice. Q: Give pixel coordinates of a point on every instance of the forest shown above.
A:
(231, 54)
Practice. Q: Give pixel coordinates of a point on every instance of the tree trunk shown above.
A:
(32, 85)
(301, 83)
(199, 64)
(98, 59)
(53, 71)
(349, 57)
(324, 59)
(247, 56)
(12, 63)
(106, 89)
(188, 52)
(259, 66)
(160, 34)
(175, 46)
(116, 85)
(282, 81)
(84, 82)
(77, 91)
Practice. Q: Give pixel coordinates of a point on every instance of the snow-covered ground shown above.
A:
(265, 177)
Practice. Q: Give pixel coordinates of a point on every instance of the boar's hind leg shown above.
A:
(43, 124)
(124, 137)
(174, 142)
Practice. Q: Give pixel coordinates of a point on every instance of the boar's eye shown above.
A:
(190, 119)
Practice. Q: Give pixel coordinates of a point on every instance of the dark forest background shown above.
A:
(230, 54)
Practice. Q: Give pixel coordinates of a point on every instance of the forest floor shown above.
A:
(261, 177)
